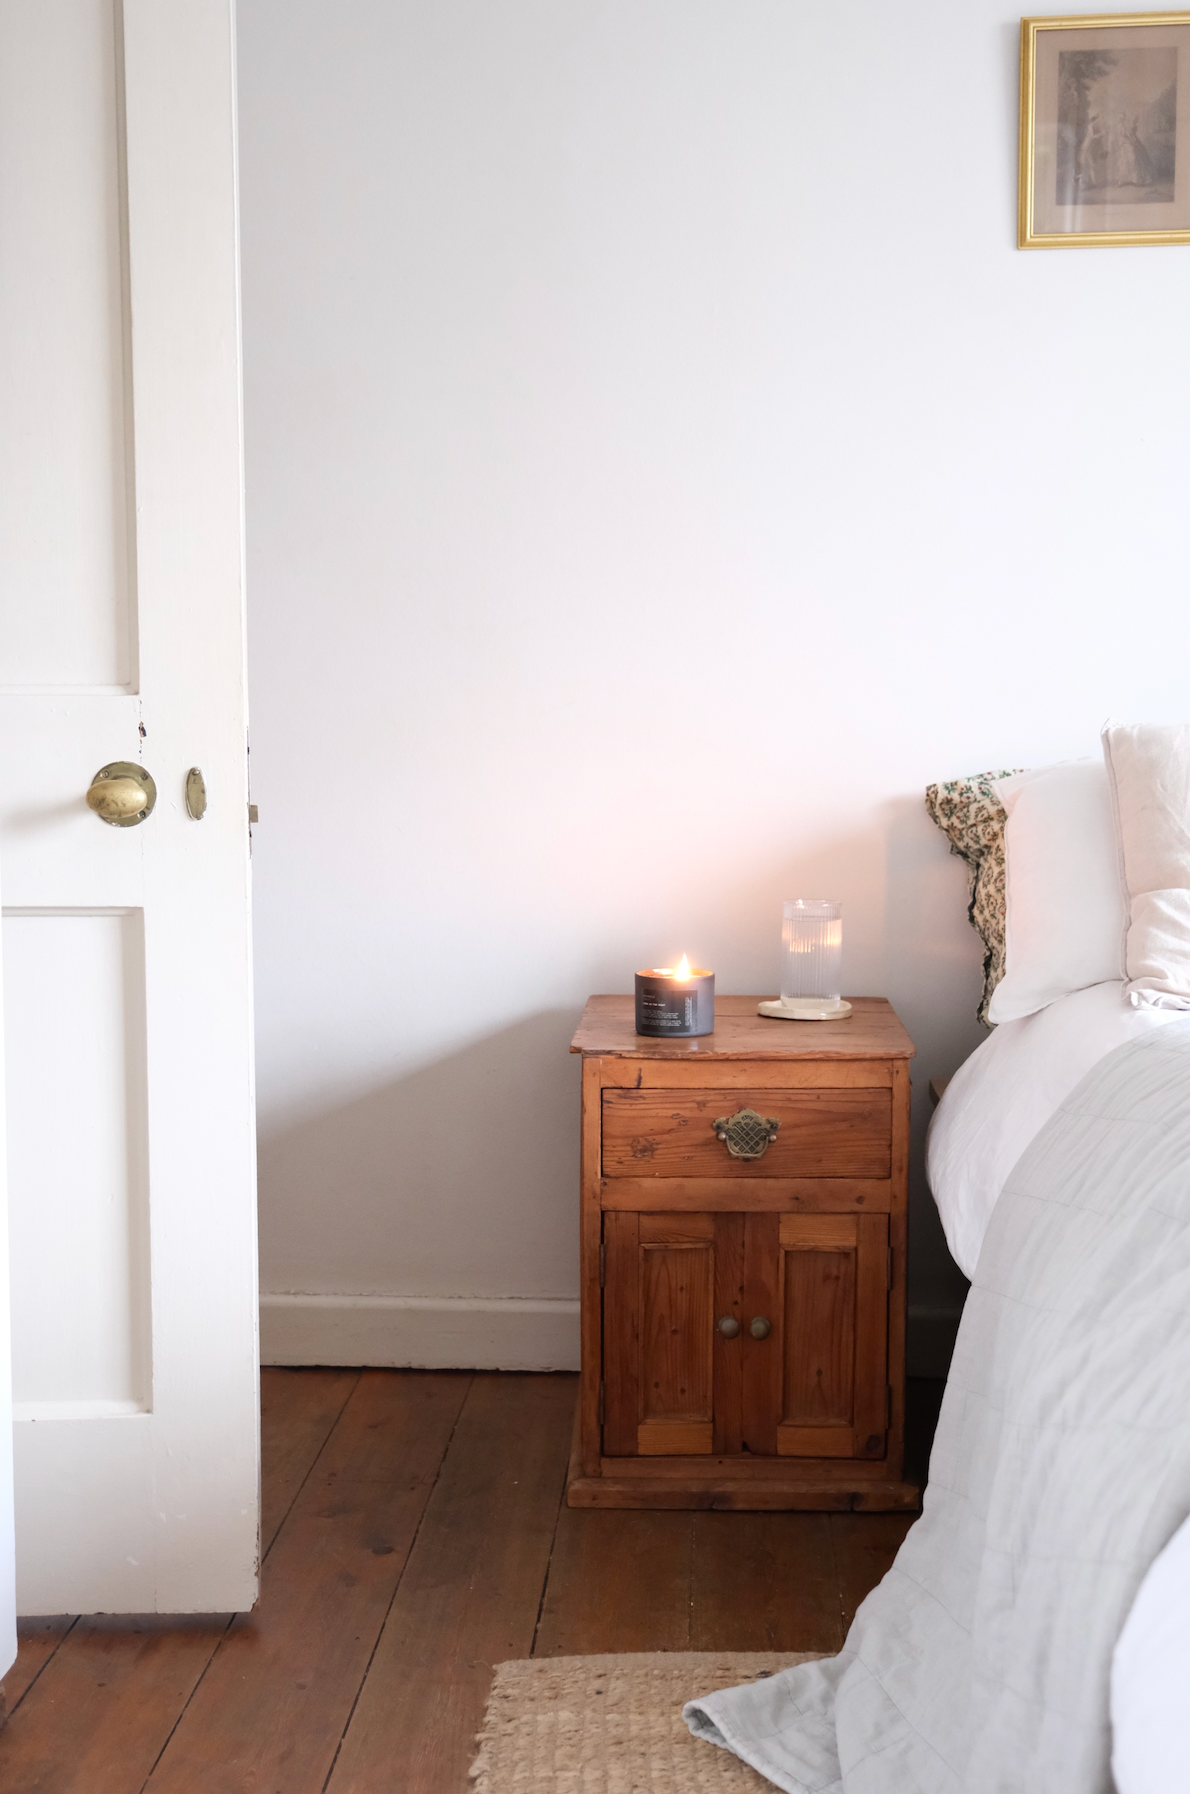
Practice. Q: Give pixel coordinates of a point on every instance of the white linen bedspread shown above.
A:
(1061, 1467)
(1007, 1090)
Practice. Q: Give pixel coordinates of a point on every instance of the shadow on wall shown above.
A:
(935, 979)
(441, 1175)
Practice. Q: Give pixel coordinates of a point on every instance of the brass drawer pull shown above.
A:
(728, 1326)
(760, 1328)
(746, 1134)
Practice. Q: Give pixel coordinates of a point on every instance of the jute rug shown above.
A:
(613, 1725)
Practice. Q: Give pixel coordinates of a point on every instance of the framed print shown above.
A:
(1105, 130)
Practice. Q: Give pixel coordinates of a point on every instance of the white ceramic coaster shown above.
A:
(804, 1009)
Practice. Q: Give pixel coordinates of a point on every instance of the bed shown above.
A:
(1034, 1631)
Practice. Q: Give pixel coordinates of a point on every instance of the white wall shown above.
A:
(661, 465)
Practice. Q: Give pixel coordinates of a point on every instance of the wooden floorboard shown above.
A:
(298, 1409)
(764, 1582)
(96, 1719)
(864, 1547)
(37, 1640)
(272, 1707)
(417, 1536)
(619, 1580)
(470, 1595)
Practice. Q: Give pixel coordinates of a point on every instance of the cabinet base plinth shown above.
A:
(737, 1496)
(726, 1485)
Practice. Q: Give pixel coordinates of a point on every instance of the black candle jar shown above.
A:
(675, 1003)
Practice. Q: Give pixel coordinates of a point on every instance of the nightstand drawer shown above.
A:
(823, 1133)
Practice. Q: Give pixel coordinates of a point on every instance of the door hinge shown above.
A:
(888, 1406)
(599, 1411)
(602, 1264)
(888, 1285)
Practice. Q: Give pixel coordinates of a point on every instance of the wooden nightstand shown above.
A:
(743, 1318)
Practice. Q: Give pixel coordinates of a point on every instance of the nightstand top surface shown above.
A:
(871, 1031)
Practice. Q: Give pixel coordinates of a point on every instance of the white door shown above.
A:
(126, 948)
(8, 1599)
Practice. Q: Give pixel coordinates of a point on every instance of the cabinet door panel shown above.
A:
(814, 1387)
(659, 1334)
(835, 1335)
(819, 1337)
(677, 1287)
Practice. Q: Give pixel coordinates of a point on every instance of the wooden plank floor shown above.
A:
(414, 1534)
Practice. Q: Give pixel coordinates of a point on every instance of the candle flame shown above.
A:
(683, 970)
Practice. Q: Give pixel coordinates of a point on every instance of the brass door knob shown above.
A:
(121, 794)
(728, 1326)
(760, 1328)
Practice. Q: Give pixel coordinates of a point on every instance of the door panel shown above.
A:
(79, 1236)
(64, 489)
(8, 1563)
(823, 1133)
(677, 1287)
(814, 1385)
(835, 1332)
(121, 575)
(819, 1354)
(662, 1323)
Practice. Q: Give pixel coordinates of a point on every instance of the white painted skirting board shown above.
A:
(477, 1333)
(421, 1332)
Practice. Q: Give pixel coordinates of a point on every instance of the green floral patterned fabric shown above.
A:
(972, 819)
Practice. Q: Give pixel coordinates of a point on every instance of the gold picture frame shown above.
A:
(1105, 130)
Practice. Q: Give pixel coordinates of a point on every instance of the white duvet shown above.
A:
(1006, 1090)
(1061, 1469)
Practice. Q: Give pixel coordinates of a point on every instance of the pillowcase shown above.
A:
(1065, 909)
(972, 818)
(1148, 768)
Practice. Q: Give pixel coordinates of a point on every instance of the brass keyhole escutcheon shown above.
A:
(746, 1134)
(121, 794)
(196, 794)
(760, 1328)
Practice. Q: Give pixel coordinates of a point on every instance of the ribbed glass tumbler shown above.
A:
(811, 951)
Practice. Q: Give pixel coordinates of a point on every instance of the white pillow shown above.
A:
(1148, 766)
(1065, 919)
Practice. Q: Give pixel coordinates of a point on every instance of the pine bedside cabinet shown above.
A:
(743, 1276)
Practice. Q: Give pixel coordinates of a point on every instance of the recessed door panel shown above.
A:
(65, 451)
(834, 1335)
(819, 1382)
(659, 1334)
(677, 1286)
(78, 1210)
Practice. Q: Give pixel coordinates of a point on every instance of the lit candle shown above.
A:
(675, 1002)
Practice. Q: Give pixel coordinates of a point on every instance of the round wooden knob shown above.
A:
(729, 1326)
(760, 1328)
